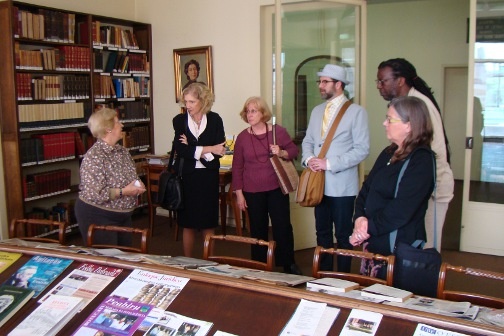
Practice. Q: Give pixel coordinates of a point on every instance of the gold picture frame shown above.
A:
(186, 60)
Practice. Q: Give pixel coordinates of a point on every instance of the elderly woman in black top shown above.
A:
(378, 211)
(109, 184)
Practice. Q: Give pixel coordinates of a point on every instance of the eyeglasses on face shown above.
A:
(251, 111)
(390, 120)
(324, 82)
(381, 82)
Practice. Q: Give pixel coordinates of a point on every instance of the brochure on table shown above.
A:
(311, 319)
(169, 323)
(361, 322)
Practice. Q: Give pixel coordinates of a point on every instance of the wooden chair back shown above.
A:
(144, 234)
(209, 246)
(38, 230)
(474, 298)
(153, 172)
(363, 280)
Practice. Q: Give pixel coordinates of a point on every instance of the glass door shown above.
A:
(483, 199)
(296, 45)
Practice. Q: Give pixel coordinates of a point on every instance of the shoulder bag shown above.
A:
(416, 269)
(285, 170)
(170, 195)
(311, 184)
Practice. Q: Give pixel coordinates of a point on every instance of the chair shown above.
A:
(208, 252)
(477, 299)
(153, 172)
(238, 215)
(363, 280)
(38, 230)
(119, 229)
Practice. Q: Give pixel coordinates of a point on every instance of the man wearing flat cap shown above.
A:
(348, 147)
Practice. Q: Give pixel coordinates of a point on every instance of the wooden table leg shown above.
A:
(223, 205)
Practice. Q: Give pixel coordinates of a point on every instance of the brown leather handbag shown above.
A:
(288, 177)
(311, 184)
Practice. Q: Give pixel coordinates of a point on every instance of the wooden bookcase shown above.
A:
(57, 66)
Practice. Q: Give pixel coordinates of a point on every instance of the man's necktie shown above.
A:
(326, 119)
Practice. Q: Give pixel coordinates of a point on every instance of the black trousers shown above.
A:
(275, 205)
(337, 212)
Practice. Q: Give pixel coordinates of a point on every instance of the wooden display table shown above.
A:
(238, 306)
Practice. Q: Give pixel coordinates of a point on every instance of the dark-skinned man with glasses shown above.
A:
(398, 77)
(348, 147)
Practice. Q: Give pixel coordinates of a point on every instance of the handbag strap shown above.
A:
(332, 130)
(393, 235)
(172, 158)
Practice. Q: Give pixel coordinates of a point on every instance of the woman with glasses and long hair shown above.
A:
(384, 205)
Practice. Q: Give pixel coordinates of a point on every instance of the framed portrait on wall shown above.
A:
(192, 65)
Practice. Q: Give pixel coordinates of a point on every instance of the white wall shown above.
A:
(236, 55)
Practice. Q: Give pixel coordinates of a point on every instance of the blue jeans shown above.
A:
(337, 210)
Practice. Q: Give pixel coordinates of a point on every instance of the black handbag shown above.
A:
(171, 195)
(415, 269)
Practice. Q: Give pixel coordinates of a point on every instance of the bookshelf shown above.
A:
(57, 67)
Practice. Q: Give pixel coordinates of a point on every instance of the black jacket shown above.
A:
(212, 135)
(406, 212)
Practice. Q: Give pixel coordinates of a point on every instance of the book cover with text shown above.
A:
(114, 316)
(11, 300)
(38, 273)
(7, 259)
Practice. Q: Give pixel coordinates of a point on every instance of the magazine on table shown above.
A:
(275, 278)
(180, 261)
(38, 273)
(116, 253)
(361, 322)
(153, 288)
(169, 323)
(114, 316)
(86, 282)
(438, 306)
(426, 330)
(11, 300)
(7, 259)
(311, 319)
(49, 317)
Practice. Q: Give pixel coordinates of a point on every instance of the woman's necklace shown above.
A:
(260, 140)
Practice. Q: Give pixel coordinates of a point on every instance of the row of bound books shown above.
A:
(64, 58)
(46, 183)
(53, 112)
(42, 148)
(44, 24)
(132, 110)
(117, 87)
(137, 137)
(30, 87)
(120, 61)
(107, 35)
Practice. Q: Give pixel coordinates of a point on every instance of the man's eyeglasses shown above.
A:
(381, 82)
(324, 82)
(391, 120)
